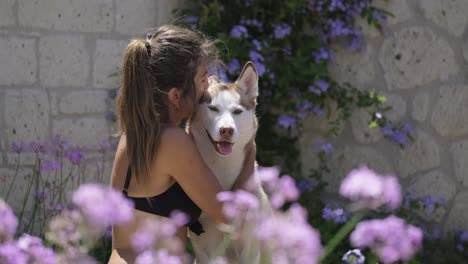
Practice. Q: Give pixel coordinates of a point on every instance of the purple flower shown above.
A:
(49, 165)
(337, 215)
(319, 87)
(191, 20)
(8, 222)
(295, 242)
(354, 257)
(321, 55)
(303, 108)
(281, 30)
(327, 148)
(370, 190)
(40, 196)
(286, 121)
(285, 191)
(233, 66)
(112, 208)
(239, 32)
(336, 4)
(256, 56)
(257, 44)
(10, 253)
(304, 186)
(409, 198)
(36, 251)
(74, 155)
(381, 19)
(238, 202)
(390, 238)
(17, 147)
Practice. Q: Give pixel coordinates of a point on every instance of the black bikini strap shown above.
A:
(127, 181)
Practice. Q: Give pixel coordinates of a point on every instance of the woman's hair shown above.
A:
(168, 58)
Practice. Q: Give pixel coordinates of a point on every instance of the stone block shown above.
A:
(67, 15)
(450, 114)
(165, 9)
(81, 102)
(459, 152)
(458, 215)
(348, 158)
(423, 154)
(7, 14)
(399, 8)
(450, 15)
(136, 17)
(26, 115)
(25, 158)
(406, 56)
(360, 127)
(356, 68)
(19, 187)
(84, 132)
(420, 107)
(64, 61)
(107, 63)
(19, 63)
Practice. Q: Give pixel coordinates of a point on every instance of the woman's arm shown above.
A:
(184, 163)
(248, 168)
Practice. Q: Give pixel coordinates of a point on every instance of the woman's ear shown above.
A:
(174, 97)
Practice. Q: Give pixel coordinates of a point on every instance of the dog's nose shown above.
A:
(226, 131)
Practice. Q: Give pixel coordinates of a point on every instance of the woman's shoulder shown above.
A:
(174, 138)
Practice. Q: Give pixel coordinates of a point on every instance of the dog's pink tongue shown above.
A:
(224, 148)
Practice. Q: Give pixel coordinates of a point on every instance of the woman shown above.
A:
(163, 79)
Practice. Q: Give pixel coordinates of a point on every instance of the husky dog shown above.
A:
(225, 123)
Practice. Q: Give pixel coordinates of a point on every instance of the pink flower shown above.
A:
(8, 222)
(371, 190)
(103, 206)
(390, 238)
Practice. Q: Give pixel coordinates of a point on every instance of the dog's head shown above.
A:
(226, 114)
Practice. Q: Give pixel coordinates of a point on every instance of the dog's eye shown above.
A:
(213, 108)
(237, 112)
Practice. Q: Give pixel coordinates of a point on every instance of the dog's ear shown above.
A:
(213, 79)
(248, 80)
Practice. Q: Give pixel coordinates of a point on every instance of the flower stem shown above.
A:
(14, 178)
(342, 233)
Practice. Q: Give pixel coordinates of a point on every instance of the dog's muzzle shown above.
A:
(222, 147)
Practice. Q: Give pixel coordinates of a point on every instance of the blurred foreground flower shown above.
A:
(8, 222)
(369, 190)
(391, 239)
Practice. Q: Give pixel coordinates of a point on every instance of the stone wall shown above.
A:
(420, 64)
(57, 58)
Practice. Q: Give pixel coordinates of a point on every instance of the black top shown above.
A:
(163, 204)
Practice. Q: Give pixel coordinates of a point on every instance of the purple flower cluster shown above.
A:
(239, 32)
(286, 121)
(322, 54)
(281, 189)
(295, 242)
(319, 87)
(390, 238)
(399, 136)
(74, 155)
(155, 241)
(337, 215)
(8, 222)
(238, 203)
(113, 208)
(370, 190)
(281, 30)
(258, 60)
(35, 250)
